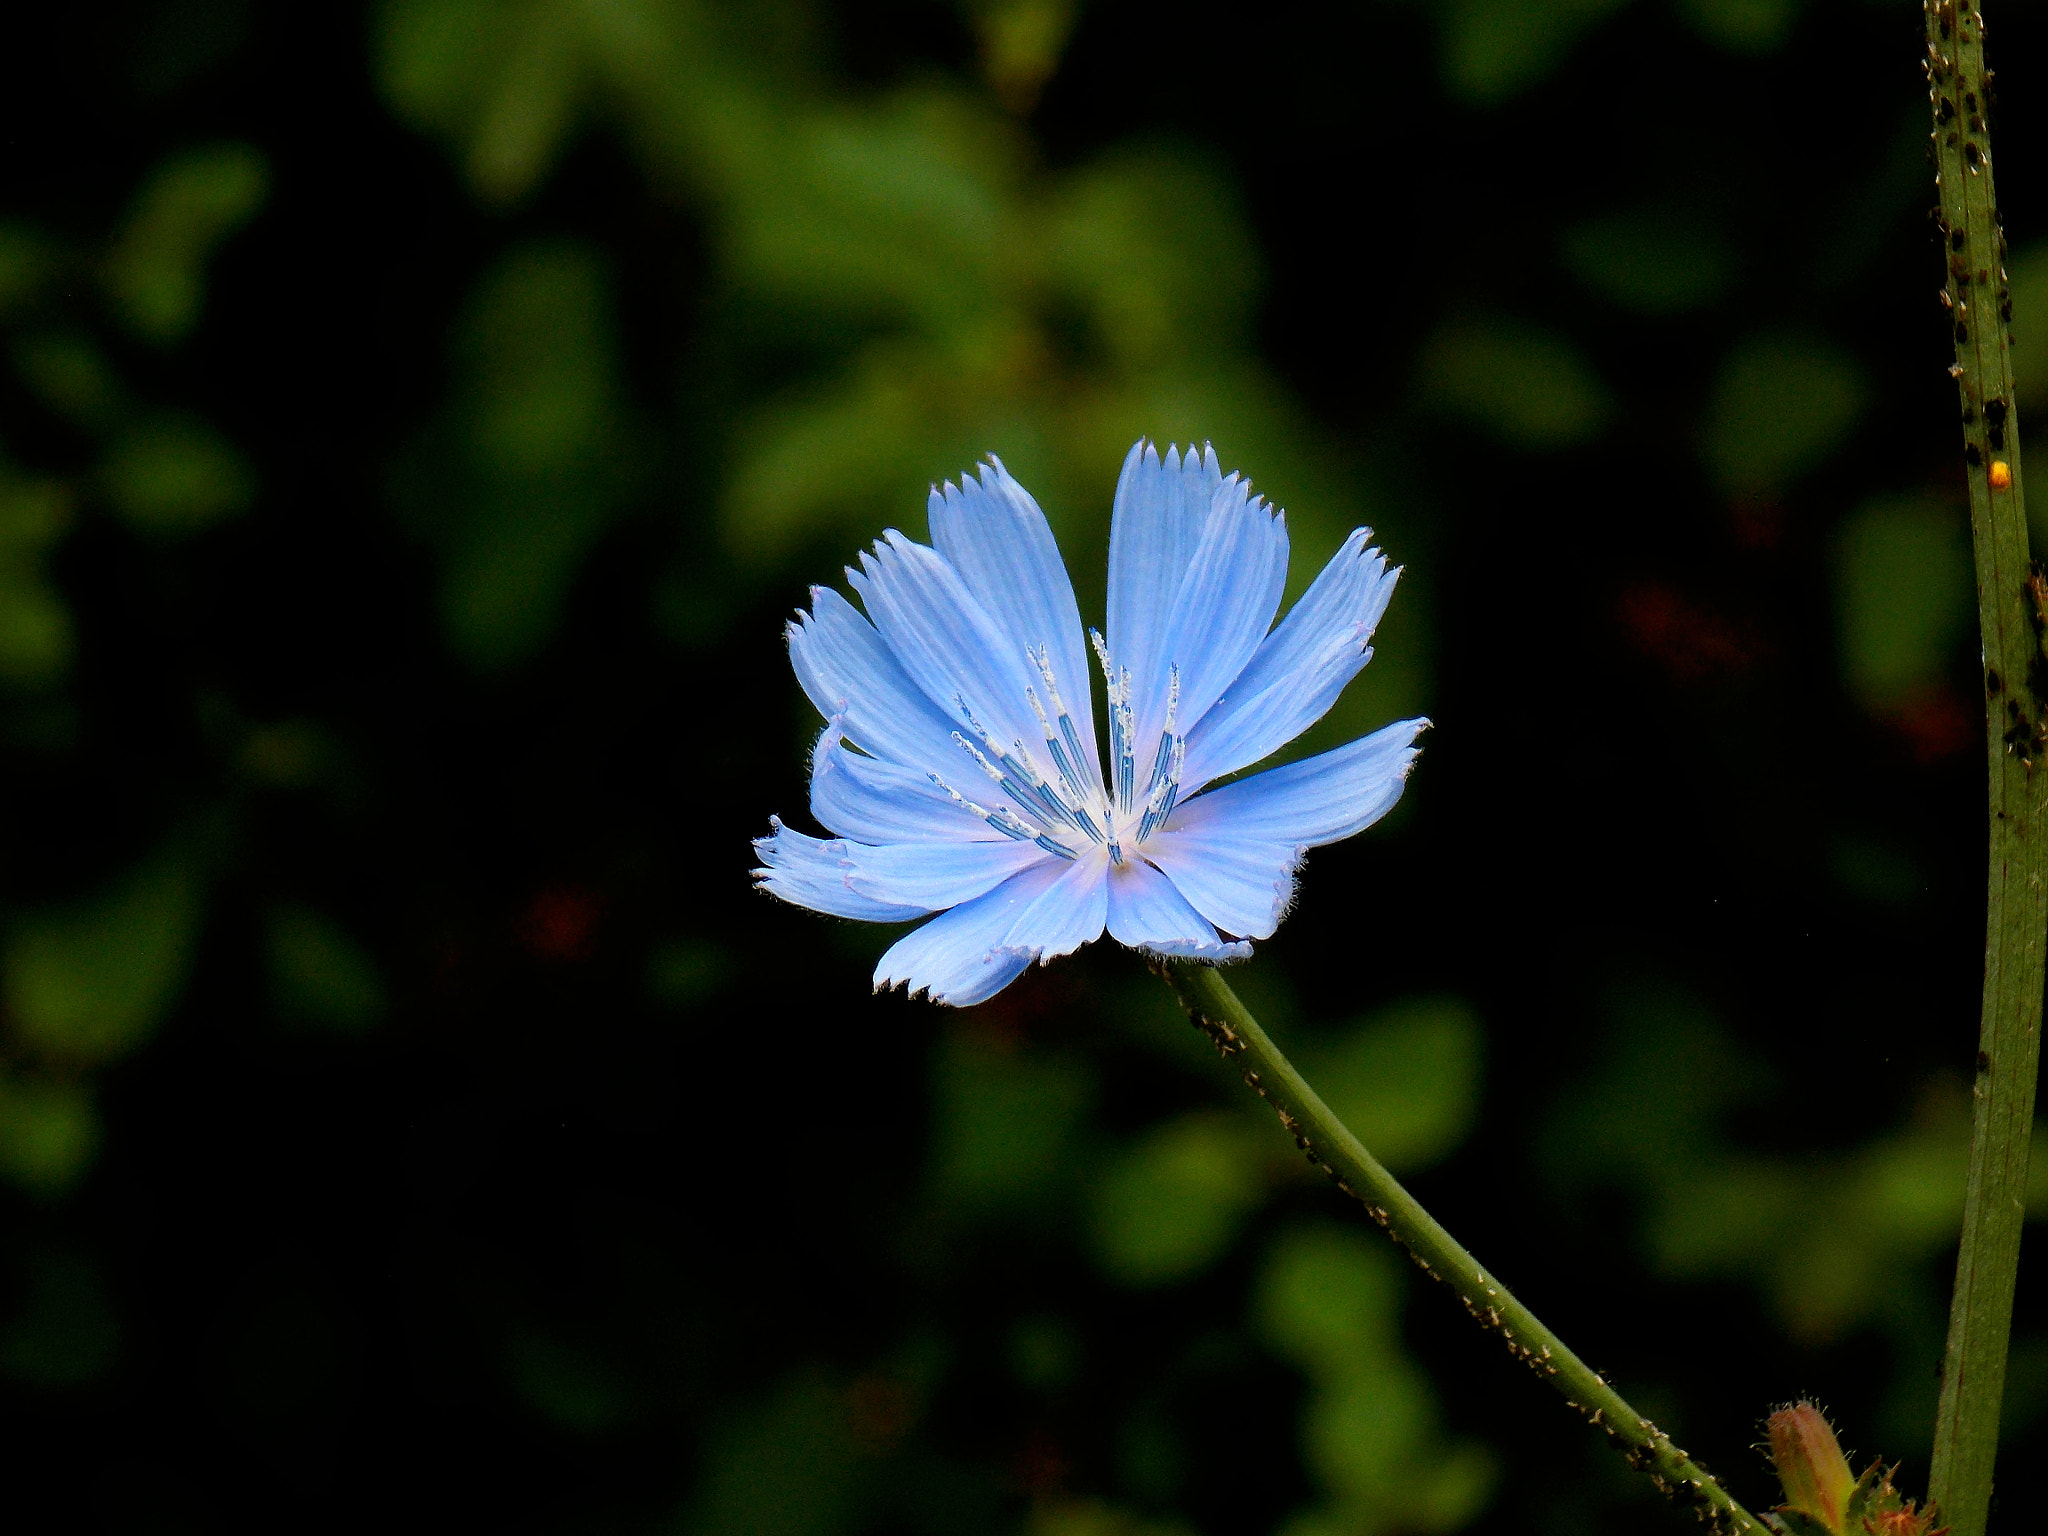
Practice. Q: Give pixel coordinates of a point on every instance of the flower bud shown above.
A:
(1811, 1467)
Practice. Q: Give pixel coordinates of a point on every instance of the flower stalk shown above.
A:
(1979, 308)
(1217, 1012)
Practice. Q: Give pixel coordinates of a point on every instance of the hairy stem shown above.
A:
(1216, 1010)
(1979, 308)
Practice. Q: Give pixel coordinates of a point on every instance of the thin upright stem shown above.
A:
(1216, 1010)
(1979, 305)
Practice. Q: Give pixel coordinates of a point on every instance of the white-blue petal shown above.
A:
(1299, 669)
(934, 875)
(809, 873)
(1068, 913)
(1223, 610)
(965, 956)
(948, 643)
(1147, 911)
(993, 533)
(848, 670)
(1242, 883)
(873, 801)
(1162, 505)
(1317, 800)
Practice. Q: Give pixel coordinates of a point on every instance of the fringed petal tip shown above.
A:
(981, 980)
(1222, 953)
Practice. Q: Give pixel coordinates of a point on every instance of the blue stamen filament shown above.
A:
(1077, 802)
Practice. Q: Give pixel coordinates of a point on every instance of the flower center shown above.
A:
(1063, 811)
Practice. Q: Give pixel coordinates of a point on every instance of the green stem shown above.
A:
(2015, 681)
(1216, 1010)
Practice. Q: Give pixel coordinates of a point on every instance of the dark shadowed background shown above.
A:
(416, 424)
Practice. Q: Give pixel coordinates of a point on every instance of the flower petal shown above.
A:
(1242, 884)
(809, 873)
(965, 956)
(1224, 607)
(934, 875)
(1147, 911)
(1317, 800)
(1068, 913)
(848, 670)
(948, 643)
(1161, 508)
(992, 533)
(1299, 669)
(873, 801)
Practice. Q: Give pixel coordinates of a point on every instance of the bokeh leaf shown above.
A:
(1743, 26)
(1904, 597)
(1651, 261)
(787, 1466)
(1169, 1205)
(320, 975)
(1527, 385)
(156, 273)
(1005, 1125)
(1405, 1079)
(1496, 49)
(49, 1131)
(534, 455)
(88, 983)
(65, 1332)
(1780, 405)
(36, 633)
(173, 475)
(1329, 1298)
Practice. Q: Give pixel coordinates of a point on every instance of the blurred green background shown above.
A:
(416, 422)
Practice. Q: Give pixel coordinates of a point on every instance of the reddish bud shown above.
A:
(1811, 1466)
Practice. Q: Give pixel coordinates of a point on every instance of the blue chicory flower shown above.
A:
(958, 766)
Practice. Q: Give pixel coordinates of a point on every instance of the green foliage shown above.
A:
(1406, 1080)
(1526, 385)
(1004, 1126)
(70, 374)
(1780, 406)
(1329, 1298)
(1822, 1237)
(49, 1131)
(1743, 26)
(1905, 597)
(319, 975)
(721, 291)
(36, 632)
(535, 455)
(90, 982)
(785, 1466)
(1171, 1204)
(26, 264)
(156, 272)
(570, 1387)
(1092, 1517)
(1496, 49)
(173, 475)
(2028, 269)
(63, 1331)
(1651, 261)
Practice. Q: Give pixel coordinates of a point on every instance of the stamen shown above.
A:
(1126, 725)
(1000, 818)
(1076, 754)
(1166, 785)
(1054, 847)
(1034, 795)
